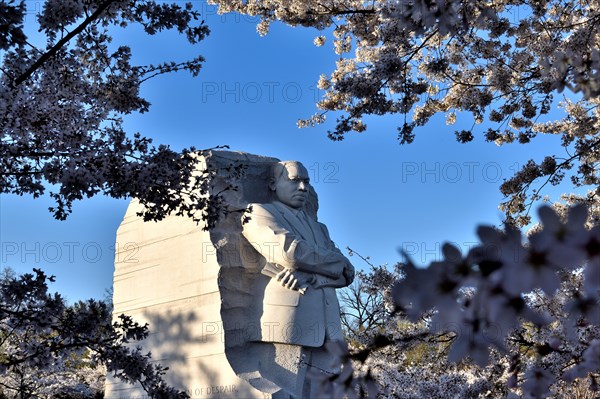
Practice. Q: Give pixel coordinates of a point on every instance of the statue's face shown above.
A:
(291, 188)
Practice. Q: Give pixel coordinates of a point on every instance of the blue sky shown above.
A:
(376, 196)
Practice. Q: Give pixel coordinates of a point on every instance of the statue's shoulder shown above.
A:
(262, 207)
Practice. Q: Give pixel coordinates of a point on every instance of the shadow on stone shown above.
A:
(169, 275)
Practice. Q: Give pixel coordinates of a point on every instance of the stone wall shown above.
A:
(166, 274)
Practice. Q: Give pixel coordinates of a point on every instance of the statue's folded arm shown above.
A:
(279, 245)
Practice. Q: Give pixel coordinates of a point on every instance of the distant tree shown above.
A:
(363, 303)
(61, 108)
(49, 349)
(498, 65)
(397, 358)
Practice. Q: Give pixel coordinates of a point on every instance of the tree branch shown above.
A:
(340, 12)
(50, 53)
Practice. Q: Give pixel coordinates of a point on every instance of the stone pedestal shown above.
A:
(166, 274)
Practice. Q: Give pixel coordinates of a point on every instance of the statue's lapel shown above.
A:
(294, 223)
(320, 237)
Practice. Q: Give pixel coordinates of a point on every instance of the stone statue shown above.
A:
(241, 311)
(286, 308)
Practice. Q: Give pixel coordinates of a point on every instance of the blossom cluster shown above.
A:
(491, 292)
(524, 314)
(516, 317)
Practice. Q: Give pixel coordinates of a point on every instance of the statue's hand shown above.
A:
(288, 279)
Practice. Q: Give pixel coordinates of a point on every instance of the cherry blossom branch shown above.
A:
(167, 68)
(50, 53)
(558, 167)
(353, 252)
(331, 11)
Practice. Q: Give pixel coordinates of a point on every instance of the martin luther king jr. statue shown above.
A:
(297, 270)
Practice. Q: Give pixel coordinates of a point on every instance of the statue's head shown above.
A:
(290, 183)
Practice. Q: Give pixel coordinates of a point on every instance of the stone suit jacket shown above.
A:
(288, 316)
